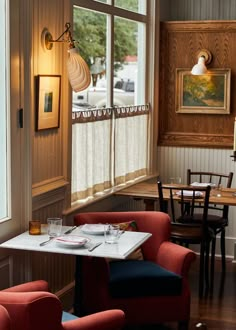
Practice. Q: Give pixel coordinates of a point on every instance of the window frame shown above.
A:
(152, 35)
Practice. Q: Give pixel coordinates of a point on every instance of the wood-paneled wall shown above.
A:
(174, 160)
(180, 43)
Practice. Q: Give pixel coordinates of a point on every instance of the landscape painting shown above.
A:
(204, 94)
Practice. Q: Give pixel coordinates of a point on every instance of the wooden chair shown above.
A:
(185, 229)
(218, 216)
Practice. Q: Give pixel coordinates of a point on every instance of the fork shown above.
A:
(51, 237)
(47, 241)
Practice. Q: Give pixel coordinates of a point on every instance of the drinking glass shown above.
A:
(219, 189)
(112, 233)
(175, 180)
(34, 227)
(54, 227)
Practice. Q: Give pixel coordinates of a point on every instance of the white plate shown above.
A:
(94, 229)
(203, 184)
(72, 240)
(189, 193)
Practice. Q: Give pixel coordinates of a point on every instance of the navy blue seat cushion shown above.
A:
(67, 317)
(138, 278)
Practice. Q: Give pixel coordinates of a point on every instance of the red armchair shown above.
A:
(4, 319)
(97, 274)
(31, 307)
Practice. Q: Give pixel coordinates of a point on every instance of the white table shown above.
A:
(127, 243)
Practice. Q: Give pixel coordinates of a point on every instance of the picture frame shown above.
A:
(48, 102)
(203, 94)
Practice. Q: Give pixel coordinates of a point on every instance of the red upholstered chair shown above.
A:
(31, 307)
(4, 319)
(150, 291)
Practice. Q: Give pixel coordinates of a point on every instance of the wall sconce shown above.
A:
(78, 71)
(204, 58)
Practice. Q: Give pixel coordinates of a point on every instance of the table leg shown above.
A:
(78, 297)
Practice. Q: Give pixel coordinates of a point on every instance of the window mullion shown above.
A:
(110, 57)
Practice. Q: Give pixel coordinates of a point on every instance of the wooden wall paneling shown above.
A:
(48, 152)
(50, 179)
(57, 269)
(180, 42)
(6, 271)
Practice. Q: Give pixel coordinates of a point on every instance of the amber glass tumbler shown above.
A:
(35, 227)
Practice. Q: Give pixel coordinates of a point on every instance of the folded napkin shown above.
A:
(203, 184)
(189, 193)
(72, 239)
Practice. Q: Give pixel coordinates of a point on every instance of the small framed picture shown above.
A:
(48, 101)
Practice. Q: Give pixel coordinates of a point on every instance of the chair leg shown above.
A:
(213, 249)
(201, 269)
(207, 252)
(222, 246)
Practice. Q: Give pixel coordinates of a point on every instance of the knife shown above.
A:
(70, 230)
(94, 246)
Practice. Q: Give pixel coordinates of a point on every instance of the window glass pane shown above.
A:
(104, 1)
(90, 30)
(129, 63)
(137, 6)
(3, 119)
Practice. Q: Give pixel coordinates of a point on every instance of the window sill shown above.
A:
(82, 204)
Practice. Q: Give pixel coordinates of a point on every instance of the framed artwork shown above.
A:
(48, 101)
(203, 94)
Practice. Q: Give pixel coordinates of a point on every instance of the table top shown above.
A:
(127, 243)
(148, 190)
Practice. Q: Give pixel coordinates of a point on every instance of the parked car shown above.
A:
(96, 96)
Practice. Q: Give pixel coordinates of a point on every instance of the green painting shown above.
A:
(208, 93)
(204, 91)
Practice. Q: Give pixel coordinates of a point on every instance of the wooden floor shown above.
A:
(216, 310)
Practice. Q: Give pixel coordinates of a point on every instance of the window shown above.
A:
(138, 6)
(4, 122)
(110, 131)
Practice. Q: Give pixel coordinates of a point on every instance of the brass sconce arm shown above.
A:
(47, 39)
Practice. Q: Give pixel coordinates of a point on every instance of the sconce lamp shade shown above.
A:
(200, 67)
(204, 58)
(78, 71)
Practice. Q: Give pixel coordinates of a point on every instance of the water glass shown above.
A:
(175, 180)
(112, 233)
(219, 190)
(54, 227)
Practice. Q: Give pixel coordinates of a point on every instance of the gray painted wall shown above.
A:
(183, 10)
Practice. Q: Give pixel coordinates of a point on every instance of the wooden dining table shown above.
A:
(148, 192)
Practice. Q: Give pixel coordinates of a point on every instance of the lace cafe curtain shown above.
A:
(109, 147)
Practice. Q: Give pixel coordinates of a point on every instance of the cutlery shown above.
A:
(47, 241)
(50, 238)
(94, 246)
(70, 230)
